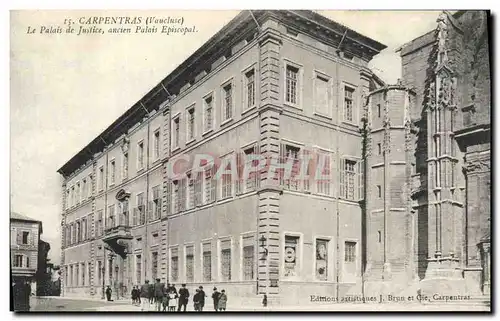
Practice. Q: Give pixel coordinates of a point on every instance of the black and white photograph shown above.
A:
(215, 161)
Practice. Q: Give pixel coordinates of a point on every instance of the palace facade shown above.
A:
(285, 84)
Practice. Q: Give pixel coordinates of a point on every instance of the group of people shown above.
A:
(167, 296)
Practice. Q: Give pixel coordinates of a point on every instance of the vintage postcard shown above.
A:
(254, 160)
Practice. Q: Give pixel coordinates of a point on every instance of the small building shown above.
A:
(24, 244)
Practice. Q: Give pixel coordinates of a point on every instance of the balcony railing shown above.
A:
(121, 221)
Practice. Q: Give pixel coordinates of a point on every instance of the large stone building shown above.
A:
(282, 84)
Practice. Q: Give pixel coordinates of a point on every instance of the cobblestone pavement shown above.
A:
(83, 305)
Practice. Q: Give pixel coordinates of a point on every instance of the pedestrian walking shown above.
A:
(222, 301)
(133, 295)
(264, 301)
(165, 298)
(215, 297)
(145, 296)
(108, 293)
(183, 297)
(196, 300)
(202, 298)
(151, 293)
(158, 294)
(172, 301)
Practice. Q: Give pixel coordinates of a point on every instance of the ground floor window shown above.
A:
(207, 262)
(190, 263)
(248, 258)
(138, 268)
(174, 264)
(291, 255)
(225, 260)
(321, 260)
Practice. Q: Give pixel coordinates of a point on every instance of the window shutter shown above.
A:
(305, 170)
(282, 158)
(134, 216)
(30, 238)
(168, 197)
(150, 211)
(239, 172)
(19, 237)
(361, 182)
(342, 178)
(27, 261)
(213, 186)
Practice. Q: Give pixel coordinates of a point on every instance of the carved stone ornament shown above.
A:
(431, 94)
(442, 37)
(477, 166)
(125, 144)
(122, 195)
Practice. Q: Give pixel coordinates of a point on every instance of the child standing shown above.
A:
(172, 301)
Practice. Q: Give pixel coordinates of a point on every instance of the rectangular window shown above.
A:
(89, 271)
(68, 199)
(84, 189)
(78, 232)
(190, 190)
(348, 103)
(25, 238)
(379, 112)
(207, 262)
(154, 265)
(156, 144)
(77, 193)
(251, 182)
(190, 124)
(140, 155)
(348, 179)
(100, 225)
(249, 89)
(111, 217)
(174, 264)
(82, 268)
(125, 166)
(227, 102)
(190, 263)
(198, 182)
(227, 182)
(350, 251)
(225, 260)
(379, 191)
(290, 154)
(73, 233)
(77, 274)
(18, 260)
(324, 169)
(101, 178)
(291, 85)
(210, 184)
(176, 132)
(248, 258)
(112, 171)
(84, 228)
(291, 256)
(321, 260)
(138, 268)
(379, 148)
(90, 186)
(179, 187)
(321, 95)
(141, 210)
(156, 202)
(89, 226)
(208, 107)
(71, 275)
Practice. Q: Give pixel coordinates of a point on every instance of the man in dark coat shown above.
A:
(151, 293)
(183, 297)
(158, 293)
(215, 297)
(202, 298)
(108, 293)
(145, 296)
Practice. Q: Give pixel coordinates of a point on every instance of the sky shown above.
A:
(66, 89)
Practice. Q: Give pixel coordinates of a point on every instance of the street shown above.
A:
(39, 304)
